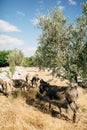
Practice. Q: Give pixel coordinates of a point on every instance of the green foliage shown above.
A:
(12, 68)
(39, 57)
(49, 42)
(3, 58)
(82, 29)
(28, 62)
(15, 58)
(61, 44)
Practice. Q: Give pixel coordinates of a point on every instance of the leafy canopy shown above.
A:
(62, 44)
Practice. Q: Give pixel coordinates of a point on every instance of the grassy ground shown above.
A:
(27, 112)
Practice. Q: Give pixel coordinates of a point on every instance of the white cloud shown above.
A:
(20, 13)
(32, 49)
(29, 51)
(7, 40)
(61, 7)
(72, 2)
(7, 27)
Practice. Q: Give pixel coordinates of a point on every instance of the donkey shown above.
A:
(20, 83)
(62, 97)
(3, 87)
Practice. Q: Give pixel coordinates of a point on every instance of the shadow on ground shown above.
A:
(41, 103)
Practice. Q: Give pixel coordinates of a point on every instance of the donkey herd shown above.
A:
(62, 97)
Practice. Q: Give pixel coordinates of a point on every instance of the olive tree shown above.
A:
(49, 41)
(61, 43)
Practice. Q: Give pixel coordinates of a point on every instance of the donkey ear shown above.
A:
(41, 81)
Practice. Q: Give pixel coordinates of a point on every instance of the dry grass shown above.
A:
(26, 112)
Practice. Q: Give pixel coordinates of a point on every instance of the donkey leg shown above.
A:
(73, 106)
(60, 111)
(49, 106)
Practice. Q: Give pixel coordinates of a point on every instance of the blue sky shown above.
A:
(18, 20)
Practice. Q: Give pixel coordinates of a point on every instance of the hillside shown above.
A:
(25, 112)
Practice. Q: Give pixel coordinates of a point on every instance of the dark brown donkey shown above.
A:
(62, 97)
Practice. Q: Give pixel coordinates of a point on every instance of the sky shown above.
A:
(18, 21)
